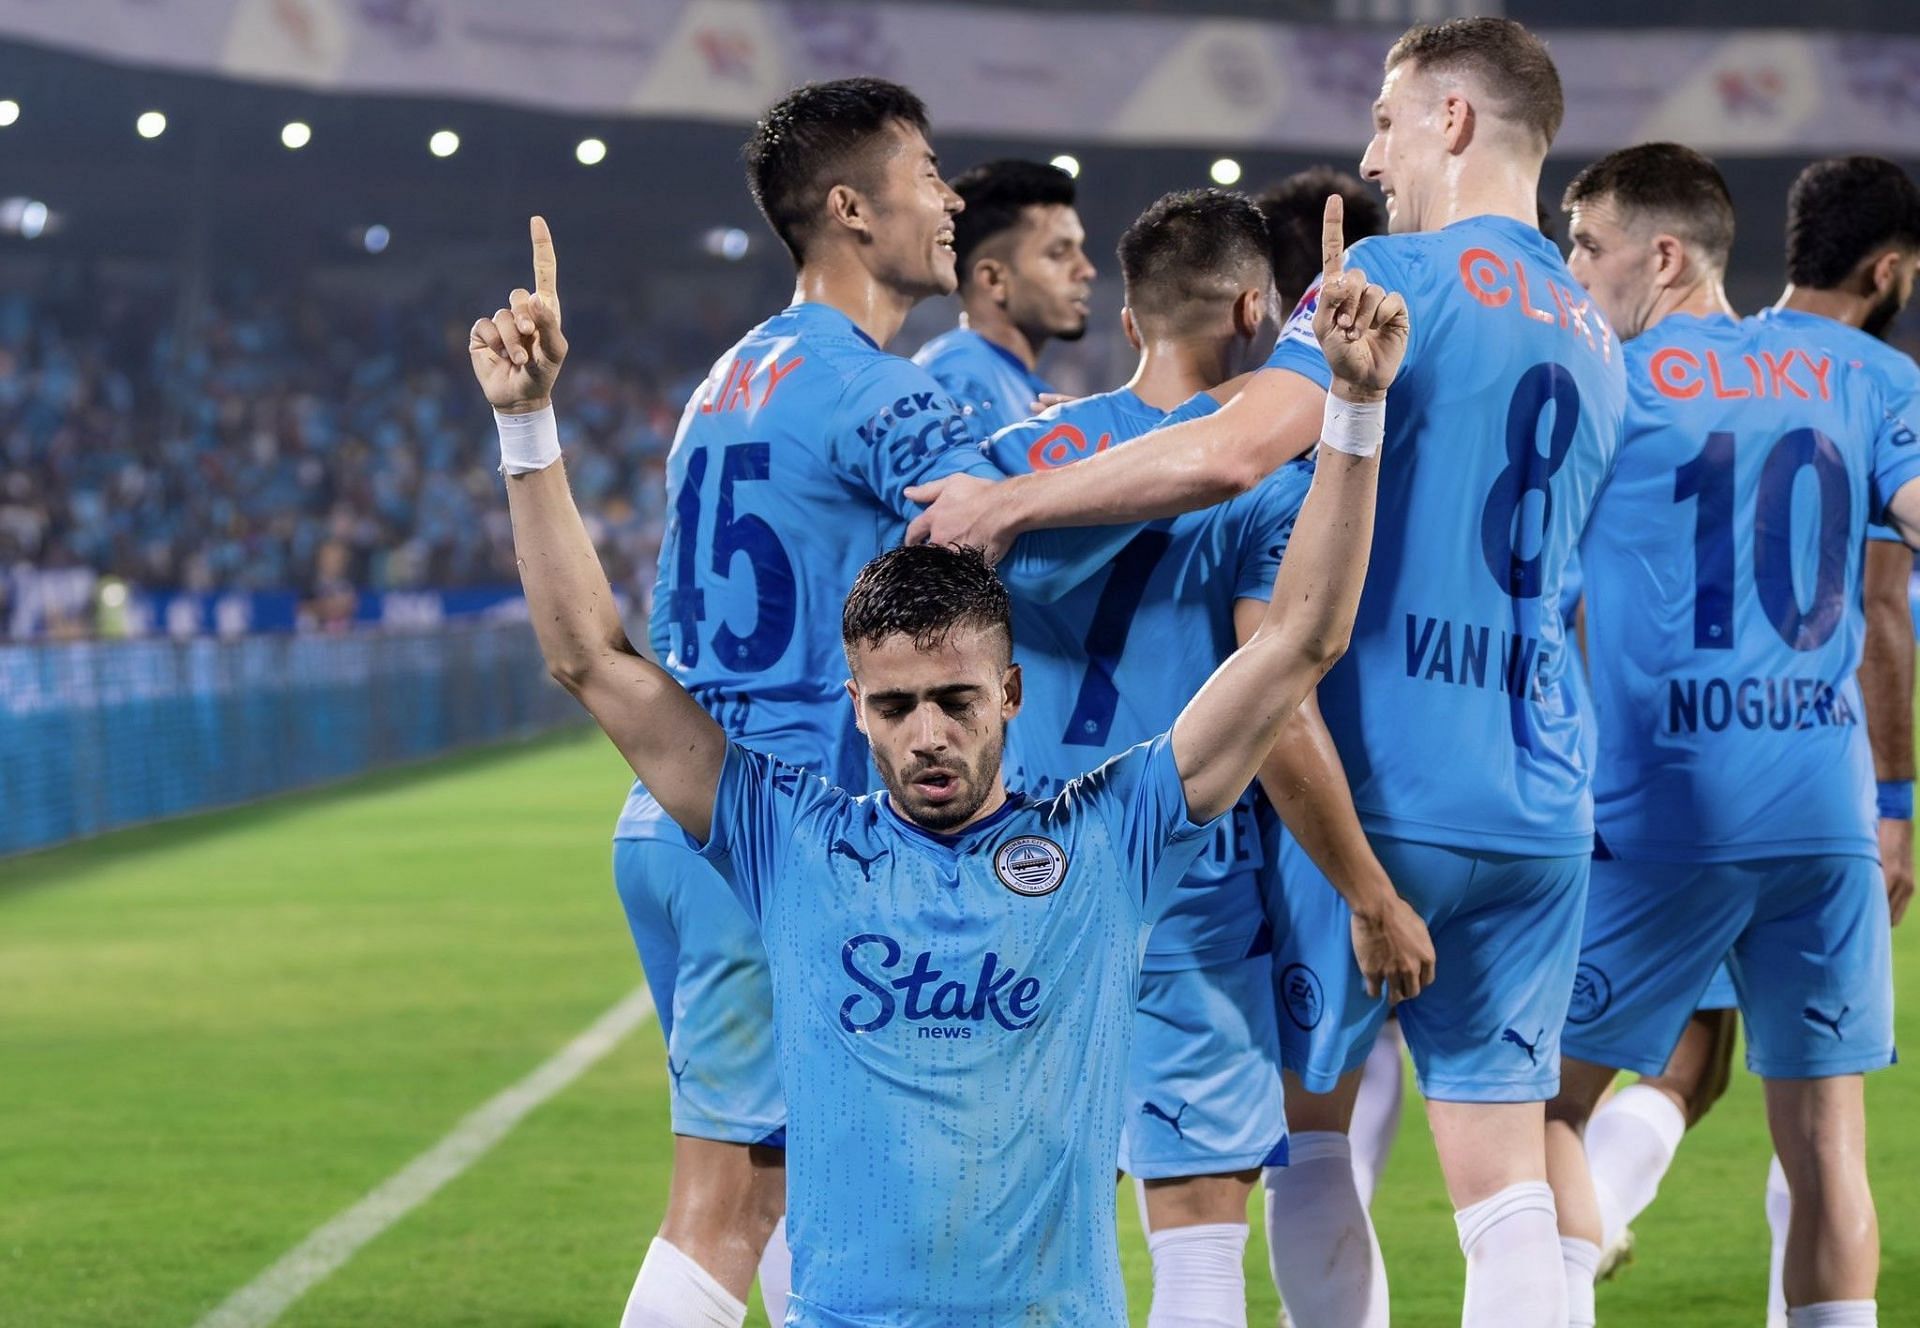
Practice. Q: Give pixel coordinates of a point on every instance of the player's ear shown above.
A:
(1250, 312)
(1669, 259)
(1128, 326)
(1012, 691)
(846, 207)
(1884, 274)
(990, 275)
(1457, 122)
(859, 715)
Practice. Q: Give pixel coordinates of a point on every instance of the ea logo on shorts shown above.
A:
(1592, 994)
(1301, 995)
(1031, 865)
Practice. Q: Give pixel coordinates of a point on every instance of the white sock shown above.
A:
(1779, 1211)
(1376, 1110)
(1631, 1141)
(1835, 1314)
(673, 1291)
(1582, 1260)
(1515, 1276)
(1199, 1276)
(1320, 1241)
(776, 1274)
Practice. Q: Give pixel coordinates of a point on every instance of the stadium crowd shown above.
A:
(218, 453)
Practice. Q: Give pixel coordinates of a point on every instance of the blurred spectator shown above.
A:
(298, 440)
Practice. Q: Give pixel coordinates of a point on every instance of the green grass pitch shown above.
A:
(217, 1033)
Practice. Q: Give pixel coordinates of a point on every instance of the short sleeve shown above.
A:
(897, 427)
(1299, 350)
(1896, 458)
(756, 806)
(1274, 507)
(1143, 805)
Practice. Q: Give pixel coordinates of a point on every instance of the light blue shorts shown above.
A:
(1719, 994)
(708, 973)
(1807, 940)
(1505, 937)
(1203, 1082)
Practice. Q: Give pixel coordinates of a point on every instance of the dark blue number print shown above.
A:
(1528, 471)
(1099, 698)
(733, 534)
(1709, 477)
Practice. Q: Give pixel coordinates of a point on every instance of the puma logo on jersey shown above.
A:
(842, 848)
(1531, 1048)
(1814, 1016)
(676, 1070)
(1153, 1109)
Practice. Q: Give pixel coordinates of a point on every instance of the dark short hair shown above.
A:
(1674, 186)
(817, 136)
(1294, 207)
(924, 591)
(1191, 249)
(1846, 209)
(1509, 61)
(996, 192)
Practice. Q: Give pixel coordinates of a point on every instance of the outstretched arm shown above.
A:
(670, 742)
(1886, 684)
(1272, 418)
(1307, 785)
(1226, 732)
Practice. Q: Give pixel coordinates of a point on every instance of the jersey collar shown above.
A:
(809, 309)
(1019, 365)
(961, 842)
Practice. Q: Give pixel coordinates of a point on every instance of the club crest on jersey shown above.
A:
(1030, 865)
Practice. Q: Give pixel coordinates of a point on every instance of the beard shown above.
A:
(1074, 333)
(1880, 317)
(972, 784)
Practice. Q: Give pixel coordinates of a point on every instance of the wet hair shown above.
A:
(1844, 210)
(1294, 207)
(996, 194)
(924, 592)
(1674, 186)
(1190, 251)
(818, 136)
(1509, 61)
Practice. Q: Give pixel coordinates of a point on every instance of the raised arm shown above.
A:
(1225, 733)
(1307, 785)
(670, 742)
(1273, 418)
(1886, 684)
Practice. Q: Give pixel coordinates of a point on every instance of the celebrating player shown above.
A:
(1723, 614)
(1025, 279)
(1464, 757)
(1110, 664)
(785, 477)
(954, 966)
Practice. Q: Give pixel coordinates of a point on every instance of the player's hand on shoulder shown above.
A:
(1362, 328)
(517, 353)
(1393, 950)
(961, 509)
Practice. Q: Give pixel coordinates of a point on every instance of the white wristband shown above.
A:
(1354, 427)
(528, 442)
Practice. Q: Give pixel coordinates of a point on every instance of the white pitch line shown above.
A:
(267, 1297)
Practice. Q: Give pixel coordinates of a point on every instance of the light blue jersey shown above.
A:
(1113, 662)
(991, 384)
(1723, 587)
(953, 1016)
(788, 474)
(1501, 427)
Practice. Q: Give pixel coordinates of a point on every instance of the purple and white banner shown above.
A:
(1061, 78)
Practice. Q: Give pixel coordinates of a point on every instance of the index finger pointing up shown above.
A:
(1333, 237)
(544, 267)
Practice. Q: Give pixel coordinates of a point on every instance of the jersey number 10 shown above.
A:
(1709, 477)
